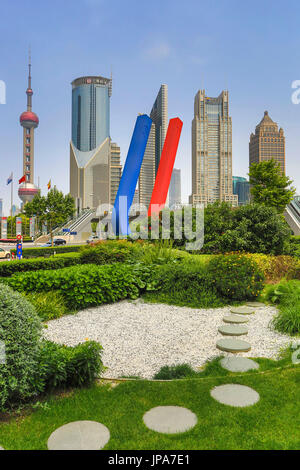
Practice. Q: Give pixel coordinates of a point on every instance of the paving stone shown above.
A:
(255, 304)
(1, 448)
(170, 419)
(79, 435)
(238, 364)
(235, 395)
(296, 357)
(242, 310)
(233, 330)
(233, 345)
(235, 319)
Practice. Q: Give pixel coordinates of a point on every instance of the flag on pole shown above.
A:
(21, 180)
(49, 185)
(9, 179)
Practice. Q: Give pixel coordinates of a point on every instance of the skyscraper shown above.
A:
(241, 188)
(267, 143)
(147, 173)
(159, 116)
(115, 170)
(212, 150)
(90, 144)
(175, 189)
(29, 121)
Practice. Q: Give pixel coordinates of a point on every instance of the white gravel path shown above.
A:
(139, 338)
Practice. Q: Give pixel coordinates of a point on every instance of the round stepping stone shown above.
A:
(235, 319)
(238, 364)
(296, 357)
(170, 419)
(242, 310)
(233, 345)
(233, 330)
(235, 395)
(255, 304)
(79, 435)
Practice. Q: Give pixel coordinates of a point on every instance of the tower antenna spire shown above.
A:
(29, 66)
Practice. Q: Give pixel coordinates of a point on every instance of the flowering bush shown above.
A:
(236, 277)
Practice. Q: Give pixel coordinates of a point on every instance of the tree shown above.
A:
(269, 186)
(53, 209)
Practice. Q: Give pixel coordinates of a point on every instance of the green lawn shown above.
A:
(272, 423)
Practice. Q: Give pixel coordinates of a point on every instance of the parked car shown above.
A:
(59, 241)
(93, 238)
(4, 253)
(56, 241)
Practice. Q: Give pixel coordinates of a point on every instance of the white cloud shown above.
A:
(157, 51)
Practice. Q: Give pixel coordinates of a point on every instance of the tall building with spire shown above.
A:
(29, 121)
(267, 143)
(212, 150)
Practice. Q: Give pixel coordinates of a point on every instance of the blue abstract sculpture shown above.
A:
(131, 171)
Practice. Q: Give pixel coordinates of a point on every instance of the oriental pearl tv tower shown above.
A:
(29, 121)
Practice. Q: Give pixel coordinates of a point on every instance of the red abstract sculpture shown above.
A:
(164, 172)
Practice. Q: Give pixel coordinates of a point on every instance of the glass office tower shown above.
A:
(90, 148)
(241, 188)
(90, 112)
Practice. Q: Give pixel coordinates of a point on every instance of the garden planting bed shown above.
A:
(139, 338)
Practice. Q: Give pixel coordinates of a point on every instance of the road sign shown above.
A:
(19, 250)
(66, 230)
(73, 233)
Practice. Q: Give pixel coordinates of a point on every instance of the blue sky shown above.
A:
(250, 48)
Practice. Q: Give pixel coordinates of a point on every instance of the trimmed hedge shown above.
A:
(7, 268)
(37, 252)
(87, 285)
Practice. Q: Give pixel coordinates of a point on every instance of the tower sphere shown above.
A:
(29, 119)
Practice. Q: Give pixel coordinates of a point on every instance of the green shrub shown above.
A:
(20, 332)
(7, 268)
(179, 371)
(37, 252)
(65, 366)
(48, 305)
(161, 252)
(110, 251)
(88, 285)
(236, 277)
(186, 283)
(287, 295)
(288, 319)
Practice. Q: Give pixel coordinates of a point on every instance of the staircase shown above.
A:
(79, 224)
(292, 215)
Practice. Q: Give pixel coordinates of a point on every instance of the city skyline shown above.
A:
(139, 66)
